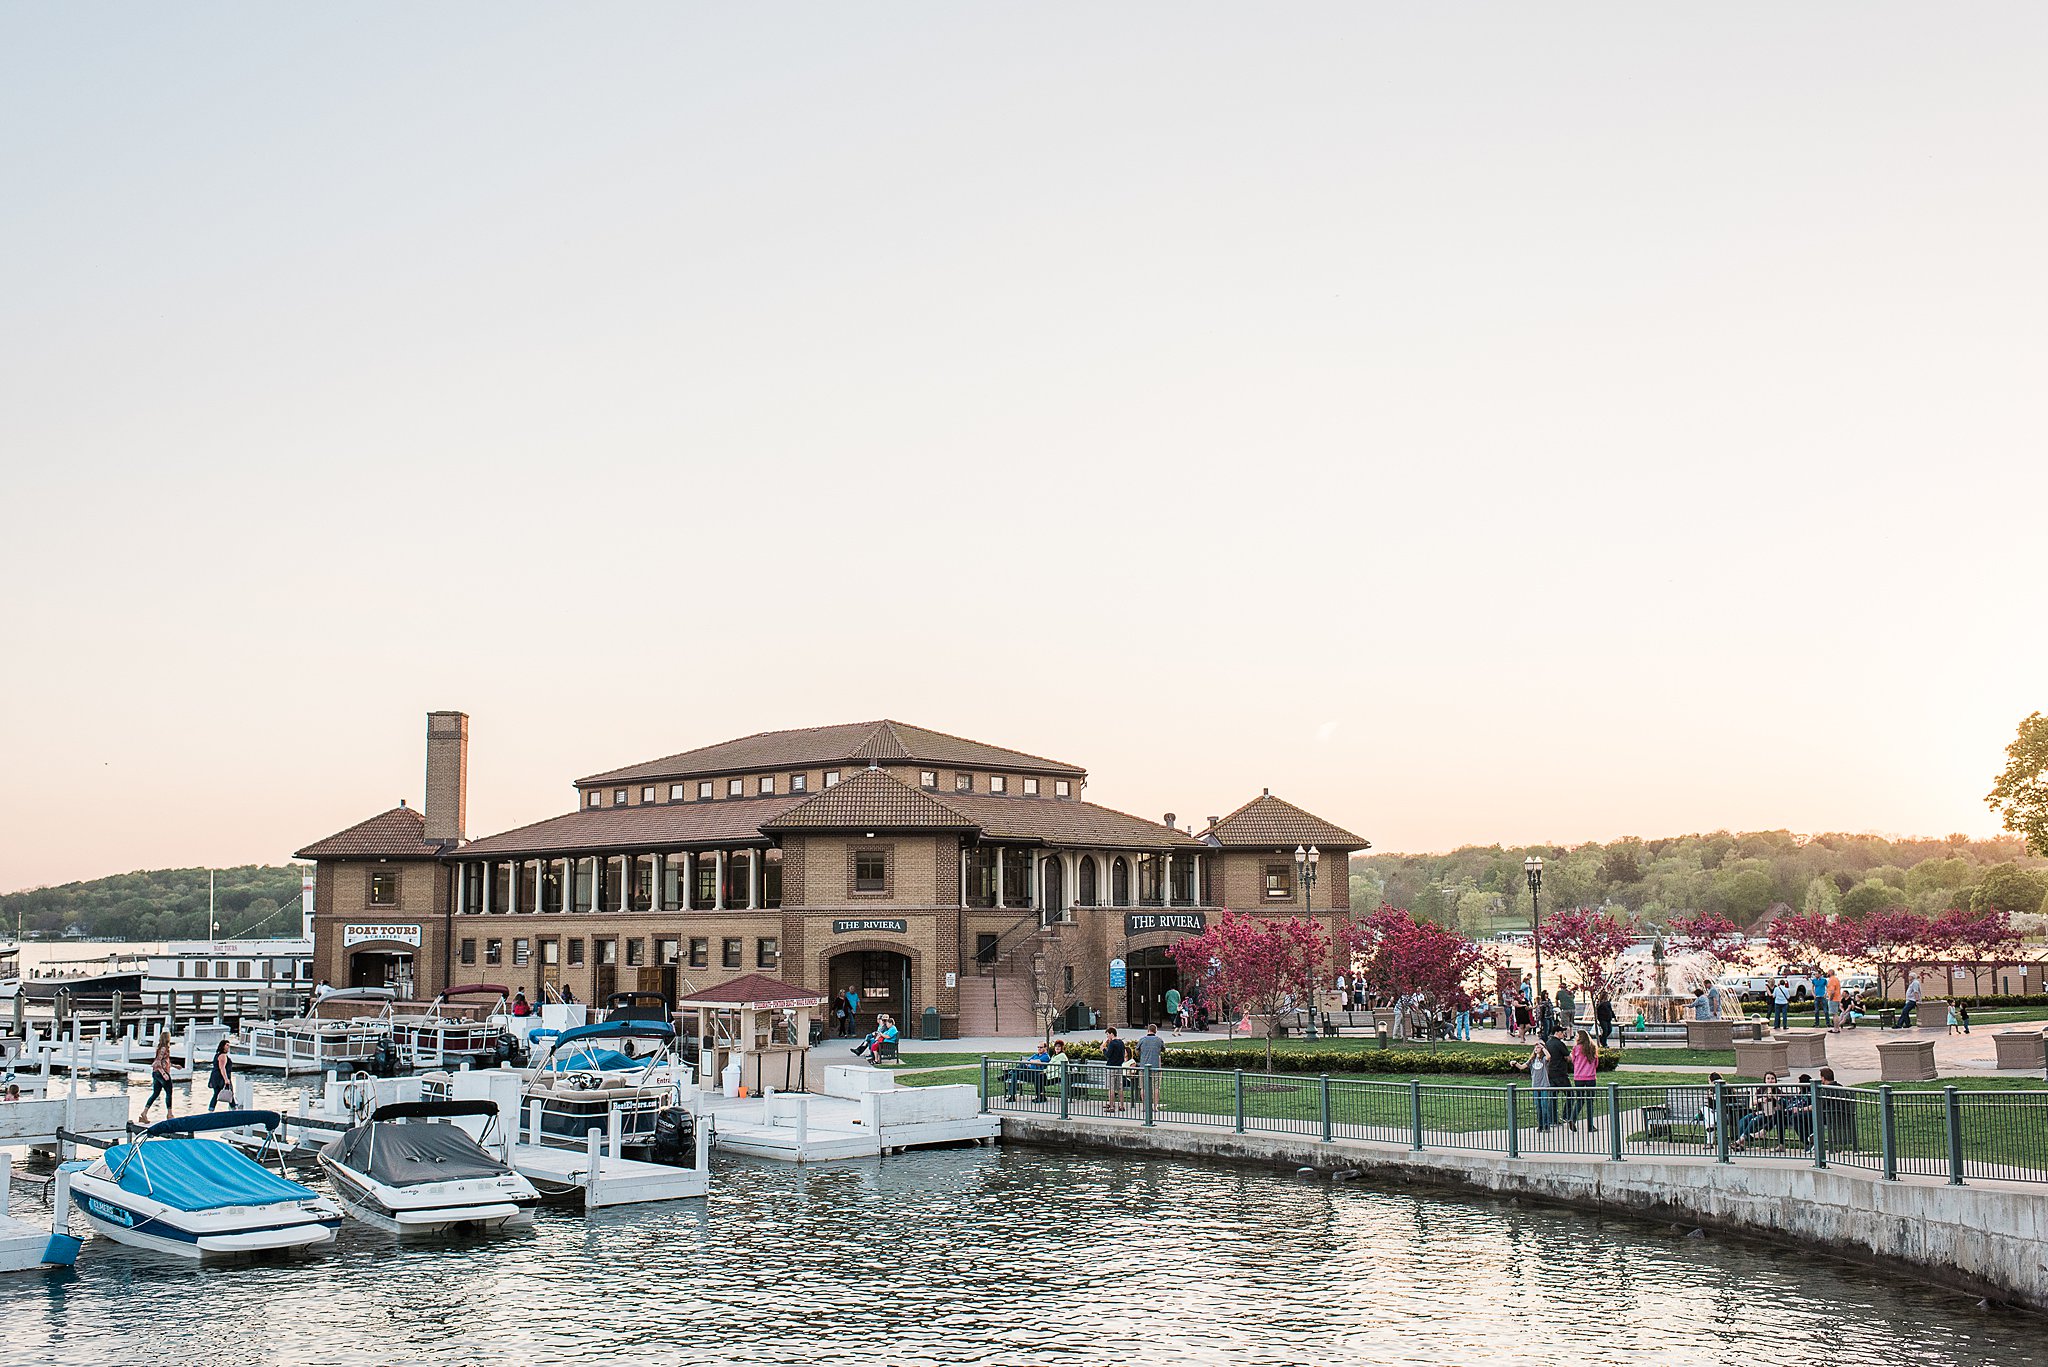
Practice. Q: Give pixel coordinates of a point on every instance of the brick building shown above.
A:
(922, 869)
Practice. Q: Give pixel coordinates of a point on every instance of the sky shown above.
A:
(1475, 423)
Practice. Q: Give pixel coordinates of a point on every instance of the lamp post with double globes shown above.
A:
(1533, 866)
(1305, 861)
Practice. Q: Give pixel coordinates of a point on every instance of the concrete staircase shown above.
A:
(998, 1004)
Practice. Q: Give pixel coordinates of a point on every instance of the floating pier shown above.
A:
(862, 1113)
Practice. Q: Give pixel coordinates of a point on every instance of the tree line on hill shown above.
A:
(1738, 876)
(160, 904)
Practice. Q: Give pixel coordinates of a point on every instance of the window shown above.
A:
(675, 792)
(551, 953)
(700, 953)
(767, 952)
(928, 778)
(704, 790)
(735, 786)
(618, 797)
(870, 871)
(998, 784)
(666, 952)
(521, 952)
(796, 783)
(985, 947)
(767, 784)
(636, 953)
(242, 969)
(575, 952)
(593, 798)
(963, 783)
(730, 953)
(1031, 787)
(607, 951)
(831, 778)
(1279, 881)
(1067, 978)
(494, 951)
(384, 887)
(647, 793)
(1062, 788)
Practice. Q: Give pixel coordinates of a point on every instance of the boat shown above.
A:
(346, 1029)
(411, 1170)
(90, 982)
(273, 975)
(446, 1033)
(586, 1082)
(170, 1191)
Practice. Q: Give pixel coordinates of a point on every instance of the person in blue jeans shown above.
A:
(1781, 1004)
(1819, 984)
(1031, 1069)
(1464, 1025)
(1539, 1078)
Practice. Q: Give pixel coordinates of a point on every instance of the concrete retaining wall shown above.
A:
(1989, 1238)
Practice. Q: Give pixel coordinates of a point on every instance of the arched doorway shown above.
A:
(882, 978)
(1149, 975)
(1052, 889)
(1084, 881)
(1120, 882)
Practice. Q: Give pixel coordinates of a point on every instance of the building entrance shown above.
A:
(379, 968)
(1149, 976)
(883, 980)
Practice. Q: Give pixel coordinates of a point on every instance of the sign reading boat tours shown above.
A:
(1139, 922)
(364, 933)
(900, 927)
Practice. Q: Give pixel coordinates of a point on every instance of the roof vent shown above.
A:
(1212, 822)
(1169, 821)
(401, 802)
(1265, 792)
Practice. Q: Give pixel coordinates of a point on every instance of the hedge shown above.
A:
(1461, 1061)
(1984, 1003)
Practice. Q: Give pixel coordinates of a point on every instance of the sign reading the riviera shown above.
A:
(363, 934)
(1138, 922)
(842, 927)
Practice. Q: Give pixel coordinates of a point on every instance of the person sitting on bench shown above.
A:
(871, 1046)
(1029, 1068)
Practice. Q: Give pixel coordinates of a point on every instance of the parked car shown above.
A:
(1755, 987)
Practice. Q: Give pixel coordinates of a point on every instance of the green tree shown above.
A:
(2020, 796)
(2010, 887)
(1868, 898)
(1822, 898)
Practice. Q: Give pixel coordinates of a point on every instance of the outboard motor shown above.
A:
(675, 1137)
(386, 1064)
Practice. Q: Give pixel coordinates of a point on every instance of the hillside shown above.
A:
(1739, 875)
(161, 904)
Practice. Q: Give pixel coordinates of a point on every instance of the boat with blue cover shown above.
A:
(171, 1191)
(595, 1077)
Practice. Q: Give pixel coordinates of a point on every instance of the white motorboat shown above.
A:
(173, 1192)
(344, 1030)
(410, 1169)
(584, 1083)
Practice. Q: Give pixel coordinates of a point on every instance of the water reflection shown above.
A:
(1017, 1256)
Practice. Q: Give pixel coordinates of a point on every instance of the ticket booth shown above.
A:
(759, 1023)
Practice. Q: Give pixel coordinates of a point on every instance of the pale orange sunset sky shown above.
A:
(1479, 422)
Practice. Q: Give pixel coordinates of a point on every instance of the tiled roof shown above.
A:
(1058, 821)
(871, 799)
(1268, 821)
(396, 834)
(756, 989)
(653, 825)
(884, 742)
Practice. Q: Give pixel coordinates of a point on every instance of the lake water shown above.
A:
(1017, 1256)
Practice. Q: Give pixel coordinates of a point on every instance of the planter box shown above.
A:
(1710, 1034)
(1906, 1060)
(2022, 1049)
(1805, 1049)
(1754, 1058)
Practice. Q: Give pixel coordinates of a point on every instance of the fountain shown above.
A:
(1660, 1005)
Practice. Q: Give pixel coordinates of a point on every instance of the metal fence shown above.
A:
(1949, 1133)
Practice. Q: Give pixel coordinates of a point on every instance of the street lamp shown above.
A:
(1305, 861)
(1533, 866)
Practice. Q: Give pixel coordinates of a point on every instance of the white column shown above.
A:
(718, 884)
(1166, 880)
(462, 889)
(963, 877)
(512, 886)
(1001, 891)
(689, 879)
(1197, 886)
(753, 880)
(490, 885)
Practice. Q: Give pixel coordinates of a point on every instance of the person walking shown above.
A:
(1112, 1070)
(1585, 1071)
(1567, 1007)
(1603, 1017)
(221, 1077)
(160, 1077)
(1818, 985)
(852, 1011)
(1912, 1004)
(1781, 1004)
(1463, 1030)
(1539, 1082)
(1173, 1007)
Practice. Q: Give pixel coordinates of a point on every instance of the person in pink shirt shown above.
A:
(1585, 1070)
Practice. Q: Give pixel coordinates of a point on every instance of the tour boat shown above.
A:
(585, 1083)
(88, 981)
(173, 1192)
(317, 1042)
(410, 1169)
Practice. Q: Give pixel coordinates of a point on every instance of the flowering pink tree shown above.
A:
(1710, 936)
(1254, 965)
(1589, 943)
(1893, 941)
(1975, 938)
(1399, 955)
(1800, 937)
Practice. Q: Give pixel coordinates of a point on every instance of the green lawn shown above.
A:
(2007, 1015)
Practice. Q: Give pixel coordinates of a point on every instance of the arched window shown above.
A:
(1084, 881)
(1120, 882)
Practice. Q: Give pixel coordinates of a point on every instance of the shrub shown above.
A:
(1460, 1061)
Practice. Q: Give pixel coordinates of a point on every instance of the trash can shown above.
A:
(930, 1028)
(1386, 1040)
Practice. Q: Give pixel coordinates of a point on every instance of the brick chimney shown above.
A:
(447, 806)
